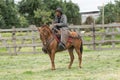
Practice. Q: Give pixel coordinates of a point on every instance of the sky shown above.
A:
(88, 5)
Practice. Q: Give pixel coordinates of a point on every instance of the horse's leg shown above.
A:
(49, 56)
(52, 55)
(77, 48)
(70, 50)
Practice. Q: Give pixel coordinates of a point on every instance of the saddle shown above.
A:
(71, 36)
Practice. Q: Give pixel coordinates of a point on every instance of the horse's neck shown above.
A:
(51, 36)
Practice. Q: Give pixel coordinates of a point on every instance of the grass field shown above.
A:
(97, 65)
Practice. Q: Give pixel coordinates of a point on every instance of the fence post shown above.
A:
(93, 38)
(33, 39)
(113, 37)
(14, 40)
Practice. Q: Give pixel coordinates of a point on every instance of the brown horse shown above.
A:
(49, 40)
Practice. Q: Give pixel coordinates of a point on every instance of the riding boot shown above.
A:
(61, 46)
(64, 37)
(44, 50)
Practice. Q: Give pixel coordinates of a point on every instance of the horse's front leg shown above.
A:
(52, 57)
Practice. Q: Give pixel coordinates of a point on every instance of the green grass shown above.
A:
(97, 65)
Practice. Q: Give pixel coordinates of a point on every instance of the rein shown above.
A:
(48, 43)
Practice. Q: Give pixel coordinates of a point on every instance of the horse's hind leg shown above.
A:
(70, 50)
(79, 55)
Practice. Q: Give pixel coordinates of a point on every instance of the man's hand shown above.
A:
(54, 24)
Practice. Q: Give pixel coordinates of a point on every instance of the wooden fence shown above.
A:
(16, 39)
(103, 37)
(26, 40)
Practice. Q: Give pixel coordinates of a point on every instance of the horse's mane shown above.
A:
(44, 25)
(47, 28)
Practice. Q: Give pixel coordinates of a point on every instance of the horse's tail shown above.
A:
(81, 47)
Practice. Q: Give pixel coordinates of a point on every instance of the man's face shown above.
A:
(57, 13)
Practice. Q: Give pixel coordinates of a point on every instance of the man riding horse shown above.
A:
(60, 24)
(69, 40)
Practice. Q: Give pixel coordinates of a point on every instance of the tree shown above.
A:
(23, 21)
(72, 12)
(112, 12)
(2, 22)
(9, 14)
(42, 16)
(31, 9)
(27, 8)
(117, 10)
(89, 20)
(2, 7)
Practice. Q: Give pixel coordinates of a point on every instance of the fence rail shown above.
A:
(95, 37)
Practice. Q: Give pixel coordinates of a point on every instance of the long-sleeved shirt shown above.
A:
(61, 21)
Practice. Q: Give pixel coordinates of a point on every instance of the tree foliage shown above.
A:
(9, 14)
(117, 10)
(42, 11)
(36, 12)
(42, 17)
(23, 21)
(111, 12)
(72, 11)
(89, 20)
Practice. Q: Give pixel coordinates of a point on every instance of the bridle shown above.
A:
(46, 40)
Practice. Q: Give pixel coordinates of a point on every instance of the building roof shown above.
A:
(90, 12)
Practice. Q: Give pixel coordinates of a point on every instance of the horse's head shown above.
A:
(45, 33)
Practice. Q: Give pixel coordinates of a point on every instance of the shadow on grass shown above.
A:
(59, 70)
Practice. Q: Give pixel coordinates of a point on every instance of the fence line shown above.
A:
(109, 30)
(18, 38)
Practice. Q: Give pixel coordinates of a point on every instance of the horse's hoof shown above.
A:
(69, 67)
(53, 69)
(80, 67)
